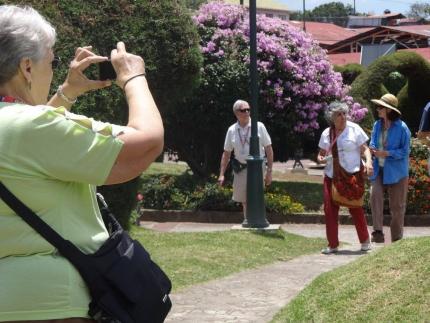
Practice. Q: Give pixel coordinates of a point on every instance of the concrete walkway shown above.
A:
(257, 295)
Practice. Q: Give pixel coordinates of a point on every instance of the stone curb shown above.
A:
(237, 217)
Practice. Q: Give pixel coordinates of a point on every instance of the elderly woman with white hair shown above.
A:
(342, 144)
(52, 161)
(237, 140)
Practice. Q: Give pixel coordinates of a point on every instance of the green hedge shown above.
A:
(349, 72)
(414, 95)
(188, 192)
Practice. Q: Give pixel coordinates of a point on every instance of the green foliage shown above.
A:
(194, 4)
(187, 192)
(349, 72)
(310, 195)
(419, 10)
(206, 115)
(412, 97)
(419, 180)
(278, 203)
(335, 12)
(162, 32)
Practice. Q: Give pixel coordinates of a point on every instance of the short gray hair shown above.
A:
(23, 33)
(239, 104)
(333, 108)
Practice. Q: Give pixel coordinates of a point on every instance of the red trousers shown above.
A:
(331, 211)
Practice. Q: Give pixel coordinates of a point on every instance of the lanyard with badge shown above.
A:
(243, 139)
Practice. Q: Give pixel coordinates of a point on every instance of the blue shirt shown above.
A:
(398, 140)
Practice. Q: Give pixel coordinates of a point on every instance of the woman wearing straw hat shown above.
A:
(390, 145)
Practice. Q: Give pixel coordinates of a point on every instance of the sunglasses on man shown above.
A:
(244, 110)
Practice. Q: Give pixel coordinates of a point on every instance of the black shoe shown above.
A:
(378, 237)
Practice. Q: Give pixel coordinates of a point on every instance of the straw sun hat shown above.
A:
(388, 101)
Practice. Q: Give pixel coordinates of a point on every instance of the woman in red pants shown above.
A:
(351, 145)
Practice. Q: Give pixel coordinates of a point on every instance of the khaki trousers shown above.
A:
(397, 194)
(71, 320)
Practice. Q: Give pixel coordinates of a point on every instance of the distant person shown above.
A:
(348, 141)
(390, 145)
(237, 140)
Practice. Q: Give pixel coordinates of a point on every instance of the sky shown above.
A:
(363, 6)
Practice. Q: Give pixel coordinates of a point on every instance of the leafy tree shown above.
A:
(333, 12)
(296, 84)
(162, 32)
(419, 10)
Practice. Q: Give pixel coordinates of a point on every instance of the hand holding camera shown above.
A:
(122, 68)
(126, 65)
(77, 83)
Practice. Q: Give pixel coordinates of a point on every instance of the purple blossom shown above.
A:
(296, 76)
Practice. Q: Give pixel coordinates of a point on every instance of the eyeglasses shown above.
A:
(243, 110)
(380, 107)
(56, 62)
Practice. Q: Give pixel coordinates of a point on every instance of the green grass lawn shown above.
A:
(191, 258)
(389, 285)
(166, 168)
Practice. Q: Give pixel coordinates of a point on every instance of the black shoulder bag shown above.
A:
(125, 285)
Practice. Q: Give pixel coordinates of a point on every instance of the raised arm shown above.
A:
(143, 137)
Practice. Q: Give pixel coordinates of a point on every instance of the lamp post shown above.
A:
(256, 210)
(304, 14)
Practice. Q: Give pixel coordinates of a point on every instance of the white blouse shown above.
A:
(348, 146)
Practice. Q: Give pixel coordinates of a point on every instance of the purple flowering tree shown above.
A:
(297, 82)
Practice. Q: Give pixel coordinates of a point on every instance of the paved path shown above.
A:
(256, 295)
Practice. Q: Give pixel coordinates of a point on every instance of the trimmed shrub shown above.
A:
(395, 82)
(349, 72)
(412, 97)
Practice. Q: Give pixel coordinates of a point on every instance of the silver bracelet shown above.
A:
(61, 94)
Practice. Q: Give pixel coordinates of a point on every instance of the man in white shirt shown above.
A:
(237, 139)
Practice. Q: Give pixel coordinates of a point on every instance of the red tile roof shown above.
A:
(326, 33)
(423, 30)
(347, 58)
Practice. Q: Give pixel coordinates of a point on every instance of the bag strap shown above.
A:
(65, 247)
(334, 153)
